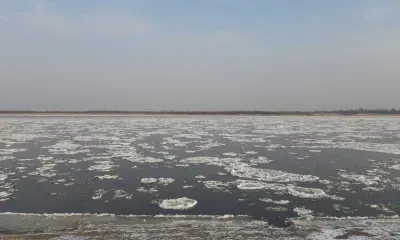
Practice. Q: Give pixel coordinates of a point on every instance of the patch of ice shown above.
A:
(260, 160)
(170, 157)
(303, 212)
(166, 181)
(303, 192)
(280, 202)
(148, 180)
(182, 165)
(245, 171)
(251, 152)
(150, 190)
(230, 154)
(200, 177)
(216, 185)
(107, 177)
(178, 204)
(99, 194)
(364, 179)
(382, 208)
(102, 166)
(276, 209)
(122, 194)
(187, 186)
(326, 182)
(396, 167)
(3, 176)
(374, 189)
(315, 150)
(251, 186)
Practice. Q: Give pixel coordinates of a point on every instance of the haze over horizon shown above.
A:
(199, 55)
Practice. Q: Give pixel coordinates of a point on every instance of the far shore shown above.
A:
(133, 114)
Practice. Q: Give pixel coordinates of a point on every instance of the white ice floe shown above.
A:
(364, 179)
(170, 157)
(303, 212)
(251, 186)
(178, 204)
(165, 181)
(102, 177)
(306, 192)
(255, 185)
(382, 208)
(396, 167)
(147, 190)
(217, 185)
(182, 165)
(148, 180)
(200, 177)
(230, 154)
(122, 194)
(373, 189)
(315, 150)
(251, 152)
(245, 171)
(260, 160)
(276, 209)
(316, 193)
(162, 181)
(99, 194)
(187, 186)
(5, 195)
(280, 202)
(102, 166)
(3, 176)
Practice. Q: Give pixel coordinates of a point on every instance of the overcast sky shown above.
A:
(199, 54)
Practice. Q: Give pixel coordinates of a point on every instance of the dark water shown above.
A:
(336, 166)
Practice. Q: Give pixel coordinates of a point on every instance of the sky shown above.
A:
(199, 54)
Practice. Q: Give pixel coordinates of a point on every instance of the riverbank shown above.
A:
(77, 226)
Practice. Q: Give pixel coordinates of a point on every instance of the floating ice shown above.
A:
(150, 190)
(315, 150)
(280, 202)
(178, 204)
(148, 180)
(260, 160)
(276, 209)
(166, 181)
(107, 177)
(250, 152)
(122, 194)
(200, 177)
(3, 176)
(365, 179)
(99, 194)
(251, 186)
(163, 181)
(303, 212)
(246, 171)
(397, 167)
(102, 166)
(230, 154)
(216, 185)
(303, 192)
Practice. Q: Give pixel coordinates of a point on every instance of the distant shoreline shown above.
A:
(199, 113)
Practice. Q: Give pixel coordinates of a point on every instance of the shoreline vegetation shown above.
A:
(351, 112)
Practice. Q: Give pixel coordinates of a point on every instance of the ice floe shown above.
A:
(364, 179)
(183, 203)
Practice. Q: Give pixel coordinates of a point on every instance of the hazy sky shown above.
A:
(199, 54)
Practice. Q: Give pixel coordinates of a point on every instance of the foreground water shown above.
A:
(270, 168)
